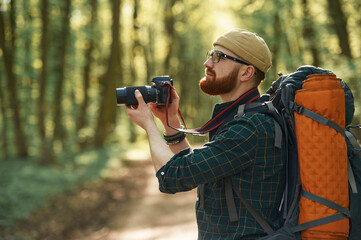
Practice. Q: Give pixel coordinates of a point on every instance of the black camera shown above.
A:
(158, 93)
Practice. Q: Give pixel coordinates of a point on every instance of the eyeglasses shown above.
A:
(217, 55)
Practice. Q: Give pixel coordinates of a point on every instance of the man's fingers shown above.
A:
(139, 97)
(175, 95)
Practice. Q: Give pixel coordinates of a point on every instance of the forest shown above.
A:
(61, 61)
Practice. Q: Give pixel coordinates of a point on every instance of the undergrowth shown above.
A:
(26, 186)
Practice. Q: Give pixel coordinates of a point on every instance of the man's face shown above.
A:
(220, 78)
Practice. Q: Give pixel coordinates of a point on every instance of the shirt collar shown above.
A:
(219, 107)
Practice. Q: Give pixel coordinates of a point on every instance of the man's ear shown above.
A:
(246, 72)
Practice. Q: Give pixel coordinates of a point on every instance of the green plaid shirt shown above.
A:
(243, 149)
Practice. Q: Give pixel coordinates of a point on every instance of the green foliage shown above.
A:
(25, 186)
(156, 37)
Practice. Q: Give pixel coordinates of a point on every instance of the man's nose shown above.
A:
(208, 63)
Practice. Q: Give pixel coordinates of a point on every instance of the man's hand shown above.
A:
(159, 110)
(141, 115)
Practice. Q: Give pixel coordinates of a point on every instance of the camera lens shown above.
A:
(121, 95)
(126, 95)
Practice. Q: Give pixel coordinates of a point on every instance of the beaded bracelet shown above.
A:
(175, 138)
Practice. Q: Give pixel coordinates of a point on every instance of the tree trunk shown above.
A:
(133, 72)
(169, 32)
(28, 78)
(12, 23)
(47, 152)
(107, 111)
(309, 34)
(357, 6)
(59, 130)
(339, 21)
(8, 57)
(277, 34)
(83, 113)
(149, 53)
(4, 137)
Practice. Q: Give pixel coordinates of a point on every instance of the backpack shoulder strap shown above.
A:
(351, 137)
(356, 150)
(255, 107)
(354, 156)
(232, 207)
(266, 108)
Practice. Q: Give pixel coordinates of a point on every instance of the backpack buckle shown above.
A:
(298, 108)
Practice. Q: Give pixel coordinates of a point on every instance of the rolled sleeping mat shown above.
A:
(322, 155)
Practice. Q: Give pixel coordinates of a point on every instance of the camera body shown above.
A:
(158, 93)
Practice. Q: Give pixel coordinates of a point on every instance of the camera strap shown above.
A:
(219, 119)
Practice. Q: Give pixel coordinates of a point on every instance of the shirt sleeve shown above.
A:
(231, 152)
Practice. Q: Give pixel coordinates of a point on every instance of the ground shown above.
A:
(126, 205)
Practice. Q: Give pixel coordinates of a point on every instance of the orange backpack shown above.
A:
(313, 110)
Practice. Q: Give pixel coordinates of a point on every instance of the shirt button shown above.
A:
(162, 173)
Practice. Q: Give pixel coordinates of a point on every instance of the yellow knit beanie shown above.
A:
(248, 46)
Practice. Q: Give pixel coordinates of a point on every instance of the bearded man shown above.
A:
(240, 150)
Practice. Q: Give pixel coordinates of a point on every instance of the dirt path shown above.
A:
(127, 205)
(152, 215)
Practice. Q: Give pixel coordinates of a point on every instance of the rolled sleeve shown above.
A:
(229, 153)
(161, 173)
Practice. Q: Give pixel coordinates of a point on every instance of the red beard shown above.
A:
(213, 86)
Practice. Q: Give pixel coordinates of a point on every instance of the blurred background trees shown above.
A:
(60, 61)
